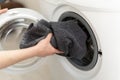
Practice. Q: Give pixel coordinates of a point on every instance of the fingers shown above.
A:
(58, 52)
(48, 38)
(3, 10)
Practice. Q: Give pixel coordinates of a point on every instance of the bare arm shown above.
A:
(8, 58)
(43, 48)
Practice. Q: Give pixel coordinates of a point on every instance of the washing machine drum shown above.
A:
(13, 24)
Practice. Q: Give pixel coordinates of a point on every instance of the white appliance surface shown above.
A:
(104, 20)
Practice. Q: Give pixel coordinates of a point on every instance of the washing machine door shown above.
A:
(73, 69)
(12, 27)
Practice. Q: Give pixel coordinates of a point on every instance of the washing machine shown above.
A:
(98, 19)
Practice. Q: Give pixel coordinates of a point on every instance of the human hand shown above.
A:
(3, 10)
(44, 48)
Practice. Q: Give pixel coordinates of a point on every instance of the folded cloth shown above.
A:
(67, 37)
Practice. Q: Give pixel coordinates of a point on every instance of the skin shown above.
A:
(3, 10)
(42, 49)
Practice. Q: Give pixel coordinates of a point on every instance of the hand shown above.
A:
(44, 48)
(3, 10)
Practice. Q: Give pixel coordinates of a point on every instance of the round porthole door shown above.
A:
(89, 66)
(13, 24)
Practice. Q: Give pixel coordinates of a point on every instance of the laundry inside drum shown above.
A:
(89, 61)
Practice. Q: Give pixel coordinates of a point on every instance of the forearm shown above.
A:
(8, 58)
(43, 48)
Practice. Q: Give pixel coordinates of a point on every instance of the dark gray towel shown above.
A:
(34, 34)
(67, 37)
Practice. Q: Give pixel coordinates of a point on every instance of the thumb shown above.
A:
(48, 38)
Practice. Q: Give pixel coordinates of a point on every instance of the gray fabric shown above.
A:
(34, 34)
(67, 37)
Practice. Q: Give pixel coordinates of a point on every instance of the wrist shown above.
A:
(36, 50)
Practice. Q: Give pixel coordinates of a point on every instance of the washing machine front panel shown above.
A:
(13, 25)
(100, 5)
(79, 71)
(105, 26)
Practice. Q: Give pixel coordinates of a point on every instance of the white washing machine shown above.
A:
(98, 19)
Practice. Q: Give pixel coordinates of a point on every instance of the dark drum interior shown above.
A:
(90, 59)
